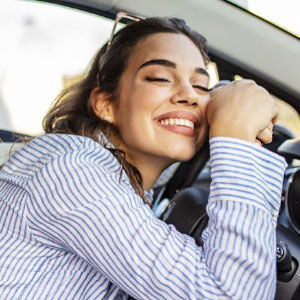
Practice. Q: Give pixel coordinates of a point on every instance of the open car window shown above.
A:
(282, 13)
(44, 47)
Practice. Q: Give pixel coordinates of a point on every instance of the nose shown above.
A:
(185, 95)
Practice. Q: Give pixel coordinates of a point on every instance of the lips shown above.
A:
(181, 122)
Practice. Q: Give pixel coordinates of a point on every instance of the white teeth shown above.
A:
(182, 122)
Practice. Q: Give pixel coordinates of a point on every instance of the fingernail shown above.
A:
(258, 142)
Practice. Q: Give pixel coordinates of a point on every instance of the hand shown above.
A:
(242, 110)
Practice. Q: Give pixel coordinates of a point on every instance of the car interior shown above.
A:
(241, 45)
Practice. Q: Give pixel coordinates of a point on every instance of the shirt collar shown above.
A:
(149, 194)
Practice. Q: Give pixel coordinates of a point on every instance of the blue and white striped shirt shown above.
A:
(72, 228)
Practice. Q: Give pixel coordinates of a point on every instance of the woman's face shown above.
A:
(161, 109)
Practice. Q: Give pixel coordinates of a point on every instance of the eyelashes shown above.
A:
(202, 88)
(157, 79)
(163, 79)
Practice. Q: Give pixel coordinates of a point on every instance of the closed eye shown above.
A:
(158, 79)
(162, 79)
(202, 88)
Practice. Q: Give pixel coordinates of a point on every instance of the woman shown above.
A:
(75, 216)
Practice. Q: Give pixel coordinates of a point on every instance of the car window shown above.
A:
(283, 14)
(213, 73)
(43, 47)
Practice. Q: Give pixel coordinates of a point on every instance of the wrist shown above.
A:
(235, 132)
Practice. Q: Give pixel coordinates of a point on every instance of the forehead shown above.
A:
(171, 46)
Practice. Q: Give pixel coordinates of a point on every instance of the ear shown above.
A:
(100, 102)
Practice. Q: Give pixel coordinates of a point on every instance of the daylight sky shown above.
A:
(284, 13)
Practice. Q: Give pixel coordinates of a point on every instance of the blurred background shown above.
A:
(45, 47)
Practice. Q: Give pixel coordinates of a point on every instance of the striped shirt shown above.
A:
(72, 227)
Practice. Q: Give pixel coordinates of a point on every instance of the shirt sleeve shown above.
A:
(79, 206)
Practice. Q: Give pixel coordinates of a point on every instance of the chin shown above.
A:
(180, 154)
(184, 158)
(185, 151)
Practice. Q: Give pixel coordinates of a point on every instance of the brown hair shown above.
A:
(72, 111)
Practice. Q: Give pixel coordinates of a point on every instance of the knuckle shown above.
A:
(250, 82)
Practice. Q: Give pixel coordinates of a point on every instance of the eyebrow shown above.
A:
(202, 71)
(170, 64)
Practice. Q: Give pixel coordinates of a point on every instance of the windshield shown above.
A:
(284, 14)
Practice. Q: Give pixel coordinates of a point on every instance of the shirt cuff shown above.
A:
(246, 172)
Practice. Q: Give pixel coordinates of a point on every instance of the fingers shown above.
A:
(215, 91)
(266, 135)
(275, 113)
(242, 110)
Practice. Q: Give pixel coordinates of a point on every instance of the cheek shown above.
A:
(203, 136)
(135, 114)
(204, 108)
(142, 103)
(203, 131)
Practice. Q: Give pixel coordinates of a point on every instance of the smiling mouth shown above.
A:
(177, 122)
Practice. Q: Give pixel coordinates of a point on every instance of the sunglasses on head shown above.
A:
(122, 15)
